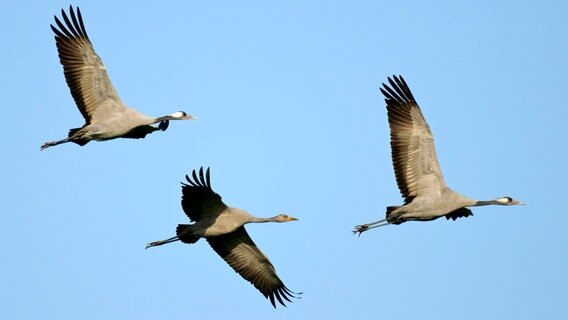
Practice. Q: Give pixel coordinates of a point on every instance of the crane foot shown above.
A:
(360, 229)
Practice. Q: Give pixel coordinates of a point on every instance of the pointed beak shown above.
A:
(292, 219)
(518, 203)
(190, 117)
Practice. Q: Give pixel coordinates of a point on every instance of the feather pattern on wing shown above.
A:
(413, 154)
(84, 71)
(199, 200)
(240, 252)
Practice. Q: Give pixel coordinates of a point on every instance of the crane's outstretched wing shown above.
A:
(412, 145)
(141, 131)
(199, 200)
(240, 252)
(84, 71)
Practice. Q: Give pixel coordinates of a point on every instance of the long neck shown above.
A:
(262, 220)
(164, 118)
(486, 203)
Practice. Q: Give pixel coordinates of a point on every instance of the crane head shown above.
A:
(284, 218)
(181, 115)
(508, 201)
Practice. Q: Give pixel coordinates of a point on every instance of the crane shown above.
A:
(223, 228)
(418, 175)
(106, 116)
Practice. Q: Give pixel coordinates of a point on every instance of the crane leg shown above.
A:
(161, 242)
(54, 143)
(367, 226)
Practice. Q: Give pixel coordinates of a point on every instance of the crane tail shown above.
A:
(185, 235)
(390, 209)
(80, 142)
(73, 131)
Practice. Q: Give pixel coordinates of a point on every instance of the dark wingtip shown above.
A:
(271, 297)
(397, 91)
(195, 181)
(285, 293)
(201, 177)
(208, 178)
(73, 27)
(189, 182)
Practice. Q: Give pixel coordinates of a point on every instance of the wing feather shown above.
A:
(139, 132)
(85, 73)
(412, 145)
(459, 213)
(241, 253)
(199, 200)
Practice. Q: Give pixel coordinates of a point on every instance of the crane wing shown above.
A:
(240, 252)
(84, 71)
(140, 132)
(199, 200)
(412, 145)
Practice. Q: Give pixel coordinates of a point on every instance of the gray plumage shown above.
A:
(223, 228)
(418, 174)
(106, 117)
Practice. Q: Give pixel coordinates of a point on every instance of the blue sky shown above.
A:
(290, 120)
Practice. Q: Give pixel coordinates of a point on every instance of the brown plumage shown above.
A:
(223, 228)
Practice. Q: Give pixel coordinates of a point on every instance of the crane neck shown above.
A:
(262, 220)
(164, 118)
(486, 203)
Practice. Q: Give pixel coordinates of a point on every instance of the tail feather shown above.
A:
(80, 142)
(184, 235)
(73, 131)
(390, 209)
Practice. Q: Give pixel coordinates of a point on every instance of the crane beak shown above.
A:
(519, 203)
(292, 219)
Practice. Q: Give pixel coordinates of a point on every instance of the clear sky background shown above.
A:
(290, 120)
